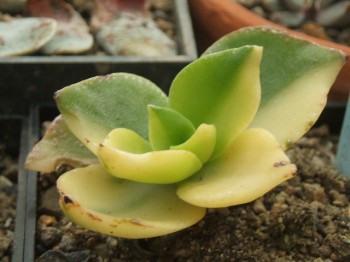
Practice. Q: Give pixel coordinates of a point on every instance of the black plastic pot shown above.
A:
(14, 136)
(332, 116)
(35, 78)
(38, 114)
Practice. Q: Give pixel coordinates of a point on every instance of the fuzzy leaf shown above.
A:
(126, 155)
(251, 166)
(25, 35)
(295, 79)
(72, 35)
(58, 146)
(167, 127)
(94, 107)
(100, 202)
(135, 35)
(222, 89)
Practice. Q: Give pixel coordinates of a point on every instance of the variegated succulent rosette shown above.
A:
(148, 164)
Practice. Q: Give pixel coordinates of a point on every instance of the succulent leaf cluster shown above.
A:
(148, 164)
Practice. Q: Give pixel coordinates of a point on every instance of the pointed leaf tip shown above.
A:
(167, 127)
(201, 143)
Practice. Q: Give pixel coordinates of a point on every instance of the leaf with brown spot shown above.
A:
(119, 207)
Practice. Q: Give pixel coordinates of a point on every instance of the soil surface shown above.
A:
(8, 186)
(8, 193)
(304, 219)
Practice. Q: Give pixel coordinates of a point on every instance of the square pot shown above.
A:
(332, 116)
(14, 141)
(35, 78)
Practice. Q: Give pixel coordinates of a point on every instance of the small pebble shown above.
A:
(50, 236)
(69, 243)
(259, 206)
(5, 243)
(47, 220)
(50, 200)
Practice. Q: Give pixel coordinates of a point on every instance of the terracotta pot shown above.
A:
(213, 19)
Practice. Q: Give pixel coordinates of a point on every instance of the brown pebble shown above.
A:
(47, 220)
(259, 207)
(325, 250)
(338, 199)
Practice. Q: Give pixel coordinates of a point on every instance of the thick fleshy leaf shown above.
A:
(201, 143)
(167, 127)
(58, 146)
(127, 140)
(295, 79)
(72, 35)
(127, 28)
(100, 202)
(94, 107)
(25, 35)
(135, 35)
(127, 155)
(221, 89)
(106, 11)
(251, 166)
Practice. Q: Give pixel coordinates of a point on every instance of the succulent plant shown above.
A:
(25, 35)
(127, 28)
(148, 164)
(121, 27)
(72, 35)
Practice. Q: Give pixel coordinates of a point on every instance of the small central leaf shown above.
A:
(167, 127)
(127, 155)
(127, 140)
(202, 143)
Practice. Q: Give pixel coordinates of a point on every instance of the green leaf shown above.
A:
(201, 143)
(94, 107)
(222, 89)
(102, 203)
(167, 127)
(58, 146)
(126, 155)
(127, 140)
(251, 166)
(295, 79)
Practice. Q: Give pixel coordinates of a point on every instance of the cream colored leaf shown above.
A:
(102, 203)
(251, 166)
(127, 155)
